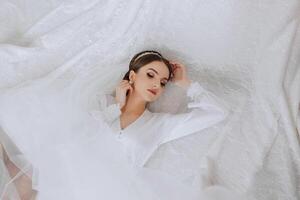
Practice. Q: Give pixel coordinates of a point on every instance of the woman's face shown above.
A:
(150, 80)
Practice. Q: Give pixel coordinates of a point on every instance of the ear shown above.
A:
(132, 75)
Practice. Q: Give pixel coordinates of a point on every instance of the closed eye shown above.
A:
(151, 76)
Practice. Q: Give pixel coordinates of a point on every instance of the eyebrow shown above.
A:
(157, 72)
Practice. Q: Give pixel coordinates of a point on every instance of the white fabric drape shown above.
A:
(56, 56)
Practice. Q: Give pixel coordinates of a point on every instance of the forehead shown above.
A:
(160, 67)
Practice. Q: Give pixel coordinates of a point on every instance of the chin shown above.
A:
(150, 98)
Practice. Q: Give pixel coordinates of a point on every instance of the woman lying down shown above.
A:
(111, 165)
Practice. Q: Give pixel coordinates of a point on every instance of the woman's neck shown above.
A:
(134, 104)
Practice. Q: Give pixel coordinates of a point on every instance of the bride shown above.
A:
(112, 163)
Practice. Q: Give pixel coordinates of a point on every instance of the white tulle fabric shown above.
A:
(17, 178)
(57, 57)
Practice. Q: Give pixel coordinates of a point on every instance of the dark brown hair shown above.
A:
(144, 58)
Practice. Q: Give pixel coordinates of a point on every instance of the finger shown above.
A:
(173, 65)
(121, 86)
(125, 86)
(181, 65)
(124, 83)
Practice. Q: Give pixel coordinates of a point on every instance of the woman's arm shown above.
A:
(205, 112)
(109, 109)
(205, 108)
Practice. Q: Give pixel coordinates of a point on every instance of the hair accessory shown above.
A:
(146, 53)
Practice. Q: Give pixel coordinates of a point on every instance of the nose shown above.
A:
(155, 85)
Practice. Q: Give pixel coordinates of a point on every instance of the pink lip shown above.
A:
(152, 92)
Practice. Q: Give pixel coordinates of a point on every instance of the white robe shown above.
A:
(150, 130)
(141, 138)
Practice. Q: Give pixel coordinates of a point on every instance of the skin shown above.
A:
(23, 183)
(133, 105)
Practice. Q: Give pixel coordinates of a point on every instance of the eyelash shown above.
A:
(151, 76)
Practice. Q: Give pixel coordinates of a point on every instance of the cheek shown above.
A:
(141, 84)
(144, 82)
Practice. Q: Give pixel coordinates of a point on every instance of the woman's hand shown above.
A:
(121, 91)
(180, 75)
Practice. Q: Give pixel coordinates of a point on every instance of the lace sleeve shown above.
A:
(109, 109)
(205, 111)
